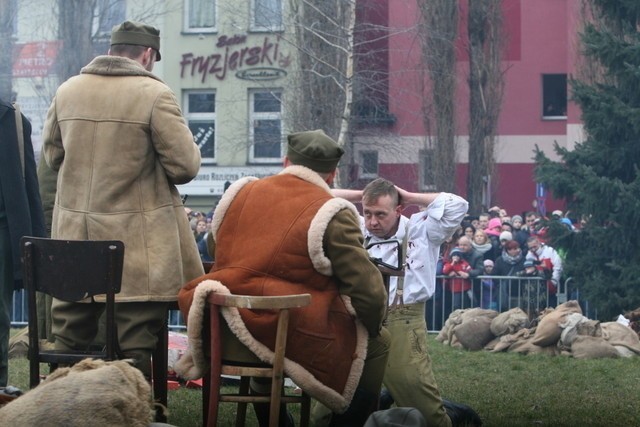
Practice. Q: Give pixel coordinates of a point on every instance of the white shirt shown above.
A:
(427, 231)
(544, 252)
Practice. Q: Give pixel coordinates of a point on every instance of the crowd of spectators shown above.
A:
(493, 245)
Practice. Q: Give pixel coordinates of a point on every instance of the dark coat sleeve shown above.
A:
(47, 180)
(21, 196)
(355, 274)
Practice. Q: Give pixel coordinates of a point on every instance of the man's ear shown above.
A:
(331, 177)
(286, 162)
(398, 210)
(148, 56)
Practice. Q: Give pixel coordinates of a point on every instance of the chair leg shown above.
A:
(213, 390)
(241, 415)
(206, 396)
(274, 410)
(159, 372)
(305, 410)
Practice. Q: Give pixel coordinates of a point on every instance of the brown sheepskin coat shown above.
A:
(287, 235)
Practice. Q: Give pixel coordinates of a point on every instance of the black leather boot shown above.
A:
(386, 400)
(461, 415)
(363, 404)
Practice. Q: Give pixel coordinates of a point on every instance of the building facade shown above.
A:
(540, 52)
(231, 64)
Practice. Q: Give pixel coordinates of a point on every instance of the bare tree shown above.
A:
(324, 39)
(75, 21)
(336, 70)
(486, 84)
(7, 15)
(438, 31)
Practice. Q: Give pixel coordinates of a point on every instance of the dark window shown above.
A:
(369, 163)
(266, 129)
(200, 112)
(204, 134)
(427, 181)
(202, 103)
(266, 138)
(554, 95)
(266, 102)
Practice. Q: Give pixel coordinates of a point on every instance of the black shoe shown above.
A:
(11, 391)
(461, 415)
(362, 405)
(386, 400)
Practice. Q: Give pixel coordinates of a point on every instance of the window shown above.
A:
(199, 16)
(200, 113)
(266, 126)
(369, 162)
(554, 96)
(266, 15)
(107, 14)
(427, 181)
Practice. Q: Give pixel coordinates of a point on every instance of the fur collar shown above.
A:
(308, 175)
(318, 226)
(107, 65)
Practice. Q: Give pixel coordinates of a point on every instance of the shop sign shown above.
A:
(249, 60)
(35, 59)
(211, 180)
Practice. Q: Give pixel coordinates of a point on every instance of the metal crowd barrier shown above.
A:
(528, 293)
(20, 313)
(500, 293)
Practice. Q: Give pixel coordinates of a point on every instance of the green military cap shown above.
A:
(135, 33)
(315, 150)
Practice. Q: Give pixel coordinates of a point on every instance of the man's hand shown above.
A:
(408, 198)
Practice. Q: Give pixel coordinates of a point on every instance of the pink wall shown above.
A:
(538, 37)
(538, 43)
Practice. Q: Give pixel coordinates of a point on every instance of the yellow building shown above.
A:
(230, 63)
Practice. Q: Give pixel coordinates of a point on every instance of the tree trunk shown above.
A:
(344, 136)
(485, 97)
(75, 18)
(7, 14)
(438, 32)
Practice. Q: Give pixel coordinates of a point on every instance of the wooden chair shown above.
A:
(211, 389)
(70, 270)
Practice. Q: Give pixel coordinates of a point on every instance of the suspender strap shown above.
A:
(398, 300)
(20, 137)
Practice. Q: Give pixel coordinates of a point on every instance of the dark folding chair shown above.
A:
(71, 270)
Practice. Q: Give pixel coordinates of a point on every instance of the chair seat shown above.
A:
(64, 357)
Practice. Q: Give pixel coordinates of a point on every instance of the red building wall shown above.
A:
(539, 34)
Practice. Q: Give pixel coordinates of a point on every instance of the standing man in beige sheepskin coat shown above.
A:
(287, 234)
(119, 142)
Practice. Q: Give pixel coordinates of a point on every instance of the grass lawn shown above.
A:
(505, 389)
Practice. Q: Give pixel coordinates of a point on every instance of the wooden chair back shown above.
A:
(211, 393)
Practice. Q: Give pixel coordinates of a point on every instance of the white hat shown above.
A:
(506, 235)
(488, 262)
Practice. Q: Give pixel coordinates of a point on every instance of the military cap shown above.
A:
(135, 33)
(315, 150)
